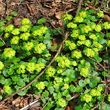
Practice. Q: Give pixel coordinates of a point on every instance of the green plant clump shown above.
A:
(26, 50)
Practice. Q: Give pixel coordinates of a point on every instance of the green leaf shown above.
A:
(45, 94)
(15, 78)
(48, 43)
(1, 43)
(100, 98)
(8, 81)
(98, 79)
(21, 83)
(68, 97)
(0, 96)
(92, 83)
(108, 34)
(72, 88)
(78, 107)
(14, 13)
(82, 83)
(47, 36)
(65, 93)
(22, 92)
(51, 89)
(42, 20)
(78, 89)
(105, 74)
(69, 72)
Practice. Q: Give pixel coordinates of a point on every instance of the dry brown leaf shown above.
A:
(17, 21)
(2, 9)
(107, 18)
(58, 14)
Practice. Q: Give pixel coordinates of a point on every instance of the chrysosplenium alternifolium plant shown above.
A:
(26, 52)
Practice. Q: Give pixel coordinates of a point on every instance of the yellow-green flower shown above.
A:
(15, 31)
(98, 28)
(25, 36)
(89, 52)
(93, 26)
(99, 89)
(75, 33)
(25, 21)
(24, 28)
(50, 71)
(80, 42)
(59, 70)
(30, 66)
(108, 43)
(87, 43)
(66, 79)
(76, 54)
(9, 52)
(67, 42)
(62, 102)
(15, 40)
(71, 25)
(6, 35)
(87, 98)
(93, 92)
(72, 46)
(6, 88)
(39, 66)
(84, 72)
(78, 19)
(93, 36)
(109, 97)
(83, 14)
(97, 45)
(1, 65)
(82, 37)
(28, 46)
(66, 86)
(106, 25)
(74, 63)
(21, 69)
(9, 28)
(40, 48)
(58, 79)
(40, 85)
(98, 93)
(67, 17)
(44, 29)
(100, 14)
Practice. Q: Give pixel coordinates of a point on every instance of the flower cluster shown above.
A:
(63, 61)
(83, 14)
(106, 25)
(86, 97)
(39, 66)
(109, 97)
(94, 37)
(89, 52)
(70, 45)
(6, 35)
(84, 72)
(66, 86)
(9, 28)
(50, 71)
(71, 25)
(9, 52)
(40, 32)
(40, 85)
(25, 36)
(21, 69)
(67, 17)
(15, 40)
(75, 33)
(62, 102)
(25, 28)
(15, 31)
(86, 29)
(6, 88)
(76, 54)
(25, 21)
(28, 46)
(40, 48)
(108, 43)
(30, 67)
(97, 45)
(100, 14)
(1, 65)
(98, 28)
(78, 19)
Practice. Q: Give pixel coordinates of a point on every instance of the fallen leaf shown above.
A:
(58, 14)
(107, 18)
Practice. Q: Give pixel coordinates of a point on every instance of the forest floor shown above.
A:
(15, 10)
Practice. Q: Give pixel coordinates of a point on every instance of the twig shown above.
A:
(97, 106)
(75, 96)
(79, 7)
(58, 52)
(99, 64)
(45, 105)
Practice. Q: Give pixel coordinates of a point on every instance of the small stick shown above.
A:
(79, 7)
